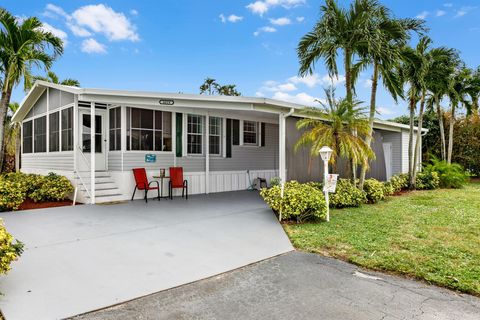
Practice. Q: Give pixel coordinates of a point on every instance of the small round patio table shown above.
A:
(161, 185)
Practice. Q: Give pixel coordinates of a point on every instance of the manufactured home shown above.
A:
(96, 137)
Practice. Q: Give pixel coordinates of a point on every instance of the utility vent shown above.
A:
(85, 104)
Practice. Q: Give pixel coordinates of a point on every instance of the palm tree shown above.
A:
(12, 135)
(228, 90)
(209, 86)
(384, 53)
(23, 44)
(53, 78)
(457, 95)
(473, 90)
(333, 125)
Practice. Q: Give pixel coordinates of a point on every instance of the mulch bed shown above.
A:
(30, 204)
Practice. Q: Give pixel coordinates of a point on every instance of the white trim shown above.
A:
(282, 149)
(207, 154)
(174, 138)
(47, 130)
(92, 151)
(224, 137)
(123, 132)
(241, 133)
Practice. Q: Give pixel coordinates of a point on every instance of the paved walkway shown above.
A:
(82, 258)
(299, 286)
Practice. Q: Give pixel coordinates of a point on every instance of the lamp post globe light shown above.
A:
(326, 153)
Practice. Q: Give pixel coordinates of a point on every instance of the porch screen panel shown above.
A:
(149, 130)
(40, 134)
(67, 129)
(179, 134)
(115, 128)
(27, 137)
(54, 132)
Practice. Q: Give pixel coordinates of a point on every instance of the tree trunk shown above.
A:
(368, 138)
(349, 97)
(442, 129)
(4, 101)
(411, 182)
(419, 137)
(450, 135)
(18, 143)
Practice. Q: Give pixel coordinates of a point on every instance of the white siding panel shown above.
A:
(114, 161)
(405, 136)
(137, 160)
(48, 161)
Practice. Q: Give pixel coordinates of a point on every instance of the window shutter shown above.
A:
(229, 138)
(179, 134)
(236, 132)
(262, 137)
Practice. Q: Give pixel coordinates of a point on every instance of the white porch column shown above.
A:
(92, 152)
(76, 129)
(282, 171)
(123, 130)
(207, 154)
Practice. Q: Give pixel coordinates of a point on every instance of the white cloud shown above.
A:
(385, 111)
(79, 31)
(300, 98)
(313, 80)
(300, 19)
(440, 13)
(367, 83)
(52, 10)
(281, 21)
(56, 32)
(448, 5)
(102, 19)
(91, 45)
(261, 7)
(273, 86)
(463, 11)
(231, 18)
(422, 15)
(287, 87)
(266, 29)
(133, 12)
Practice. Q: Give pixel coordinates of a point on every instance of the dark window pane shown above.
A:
(136, 116)
(27, 137)
(147, 140)
(112, 140)
(98, 143)
(167, 143)
(135, 139)
(214, 144)
(54, 132)
(67, 129)
(111, 115)
(118, 139)
(40, 134)
(146, 119)
(98, 124)
(158, 120)
(158, 140)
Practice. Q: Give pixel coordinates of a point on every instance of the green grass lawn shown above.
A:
(430, 235)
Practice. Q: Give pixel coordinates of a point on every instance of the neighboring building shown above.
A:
(222, 142)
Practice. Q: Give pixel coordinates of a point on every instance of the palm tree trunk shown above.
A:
(4, 101)
(368, 138)
(18, 142)
(349, 96)
(410, 144)
(450, 135)
(419, 137)
(442, 129)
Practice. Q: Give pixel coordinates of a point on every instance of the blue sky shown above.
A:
(172, 45)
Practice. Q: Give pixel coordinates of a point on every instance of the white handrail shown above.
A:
(77, 172)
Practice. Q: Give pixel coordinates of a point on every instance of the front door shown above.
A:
(100, 137)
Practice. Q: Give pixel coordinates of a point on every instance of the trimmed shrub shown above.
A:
(451, 175)
(388, 189)
(399, 182)
(12, 195)
(427, 180)
(300, 202)
(9, 251)
(28, 182)
(53, 188)
(347, 195)
(275, 181)
(374, 190)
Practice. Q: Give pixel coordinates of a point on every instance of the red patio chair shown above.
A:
(177, 182)
(141, 183)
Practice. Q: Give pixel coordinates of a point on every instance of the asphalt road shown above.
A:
(298, 286)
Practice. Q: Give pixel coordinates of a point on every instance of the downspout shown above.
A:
(282, 153)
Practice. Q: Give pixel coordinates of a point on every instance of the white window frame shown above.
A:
(242, 132)
(219, 135)
(201, 134)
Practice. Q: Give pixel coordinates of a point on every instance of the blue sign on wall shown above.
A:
(150, 158)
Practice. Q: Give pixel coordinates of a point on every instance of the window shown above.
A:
(194, 134)
(27, 137)
(54, 132)
(40, 134)
(250, 132)
(115, 129)
(149, 130)
(86, 133)
(67, 129)
(215, 135)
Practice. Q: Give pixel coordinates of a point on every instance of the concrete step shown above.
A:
(100, 186)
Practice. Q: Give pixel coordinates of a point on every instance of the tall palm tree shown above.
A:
(457, 95)
(12, 135)
(384, 54)
(209, 86)
(473, 90)
(53, 78)
(228, 90)
(333, 125)
(23, 44)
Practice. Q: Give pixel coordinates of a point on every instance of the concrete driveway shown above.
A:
(299, 286)
(83, 258)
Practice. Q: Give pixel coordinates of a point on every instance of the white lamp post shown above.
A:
(326, 153)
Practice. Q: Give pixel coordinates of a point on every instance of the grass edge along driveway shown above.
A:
(429, 235)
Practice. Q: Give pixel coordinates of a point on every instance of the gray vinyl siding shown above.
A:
(137, 160)
(395, 138)
(48, 161)
(377, 167)
(114, 161)
(39, 107)
(405, 136)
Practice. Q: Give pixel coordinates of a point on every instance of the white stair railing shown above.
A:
(79, 176)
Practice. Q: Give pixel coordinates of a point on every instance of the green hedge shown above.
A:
(374, 190)
(427, 180)
(300, 202)
(347, 195)
(9, 250)
(450, 175)
(16, 187)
